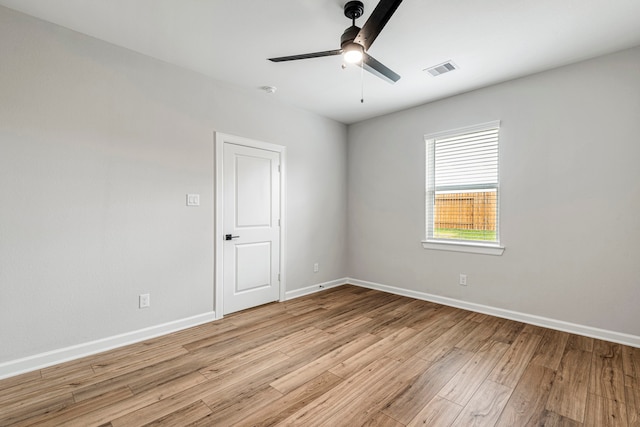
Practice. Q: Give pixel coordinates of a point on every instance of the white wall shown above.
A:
(570, 204)
(98, 148)
(99, 145)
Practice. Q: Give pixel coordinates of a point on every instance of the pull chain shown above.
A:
(362, 81)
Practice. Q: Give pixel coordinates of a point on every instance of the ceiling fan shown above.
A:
(356, 41)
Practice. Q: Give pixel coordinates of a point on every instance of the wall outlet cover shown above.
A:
(144, 300)
(463, 280)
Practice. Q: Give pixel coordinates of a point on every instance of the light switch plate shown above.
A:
(193, 200)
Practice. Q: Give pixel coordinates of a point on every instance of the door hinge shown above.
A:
(278, 168)
(278, 277)
(278, 223)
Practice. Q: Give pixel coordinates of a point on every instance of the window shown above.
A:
(463, 190)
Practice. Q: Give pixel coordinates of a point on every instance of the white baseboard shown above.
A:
(50, 358)
(43, 360)
(588, 331)
(297, 293)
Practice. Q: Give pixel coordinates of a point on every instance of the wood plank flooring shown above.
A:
(344, 357)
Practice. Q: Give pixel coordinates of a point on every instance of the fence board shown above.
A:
(466, 211)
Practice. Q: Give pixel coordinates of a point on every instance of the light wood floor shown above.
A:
(344, 357)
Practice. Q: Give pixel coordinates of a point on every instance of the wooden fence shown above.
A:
(466, 211)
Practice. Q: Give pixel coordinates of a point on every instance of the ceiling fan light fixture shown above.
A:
(353, 53)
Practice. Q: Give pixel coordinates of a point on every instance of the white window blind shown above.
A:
(463, 185)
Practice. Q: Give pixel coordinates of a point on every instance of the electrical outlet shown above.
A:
(316, 267)
(463, 280)
(144, 300)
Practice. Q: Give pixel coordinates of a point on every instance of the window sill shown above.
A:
(474, 248)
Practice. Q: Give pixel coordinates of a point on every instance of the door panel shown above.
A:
(254, 198)
(258, 256)
(251, 259)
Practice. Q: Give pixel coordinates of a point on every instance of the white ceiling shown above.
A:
(230, 40)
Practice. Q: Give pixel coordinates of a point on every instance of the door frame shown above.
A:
(220, 139)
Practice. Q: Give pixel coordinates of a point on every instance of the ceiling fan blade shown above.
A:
(307, 55)
(375, 67)
(376, 22)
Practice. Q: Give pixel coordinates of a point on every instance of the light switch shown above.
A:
(193, 200)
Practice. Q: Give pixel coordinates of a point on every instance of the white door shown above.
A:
(251, 227)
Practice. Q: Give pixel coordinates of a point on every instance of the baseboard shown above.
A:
(54, 357)
(43, 360)
(588, 331)
(297, 293)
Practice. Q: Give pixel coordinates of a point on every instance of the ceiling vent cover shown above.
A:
(443, 68)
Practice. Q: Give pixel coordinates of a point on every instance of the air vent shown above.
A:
(439, 69)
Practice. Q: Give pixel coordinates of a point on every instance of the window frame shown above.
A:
(469, 246)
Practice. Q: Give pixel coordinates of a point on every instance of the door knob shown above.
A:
(229, 237)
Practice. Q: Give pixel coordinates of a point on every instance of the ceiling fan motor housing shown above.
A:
(348, 36)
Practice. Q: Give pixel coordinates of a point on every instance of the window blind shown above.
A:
(469, 160)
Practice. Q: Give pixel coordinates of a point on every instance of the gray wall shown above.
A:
(98, 148)
(570, 204)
